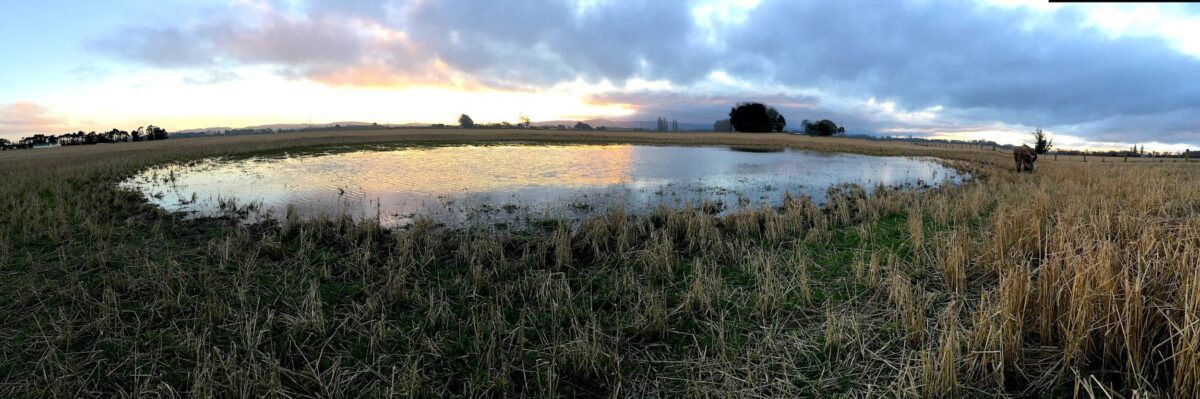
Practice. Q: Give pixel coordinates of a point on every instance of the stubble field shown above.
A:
(1082, 279)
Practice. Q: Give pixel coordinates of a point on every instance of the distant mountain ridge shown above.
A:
(279, 126)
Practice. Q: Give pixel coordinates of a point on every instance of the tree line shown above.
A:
(147, 133)
(465, 122)
(751, 117)
(748, 117)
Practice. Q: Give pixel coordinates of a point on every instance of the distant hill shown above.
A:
(281, 126)
(352, 125)
(206, 130)
(647, 125)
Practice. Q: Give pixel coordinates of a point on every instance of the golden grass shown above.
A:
(1082, 279)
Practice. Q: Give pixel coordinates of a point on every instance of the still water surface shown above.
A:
(506, 184)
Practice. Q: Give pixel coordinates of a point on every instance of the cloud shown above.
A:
(89, 72)
(212, 77)
(1179, 126)
(26, 118)
(531, 43)
(272, 37)
(704, 108)
(161, 46)
(988, 62)
(542, 42)
(977, 65)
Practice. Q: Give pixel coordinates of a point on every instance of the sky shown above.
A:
(1093, 75)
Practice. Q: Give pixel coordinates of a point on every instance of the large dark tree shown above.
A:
(756, 118)
(465, 121)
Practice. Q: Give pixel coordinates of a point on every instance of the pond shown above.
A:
(507, 184)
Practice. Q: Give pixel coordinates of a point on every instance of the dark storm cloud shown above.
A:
(995, 63)
(549, 41)
(1180, 126)
(983, 64)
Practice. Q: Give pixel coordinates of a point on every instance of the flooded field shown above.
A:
(514, 184)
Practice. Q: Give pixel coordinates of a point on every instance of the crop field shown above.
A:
(1082, 279)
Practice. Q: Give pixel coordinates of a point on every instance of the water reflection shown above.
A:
(511, 183)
